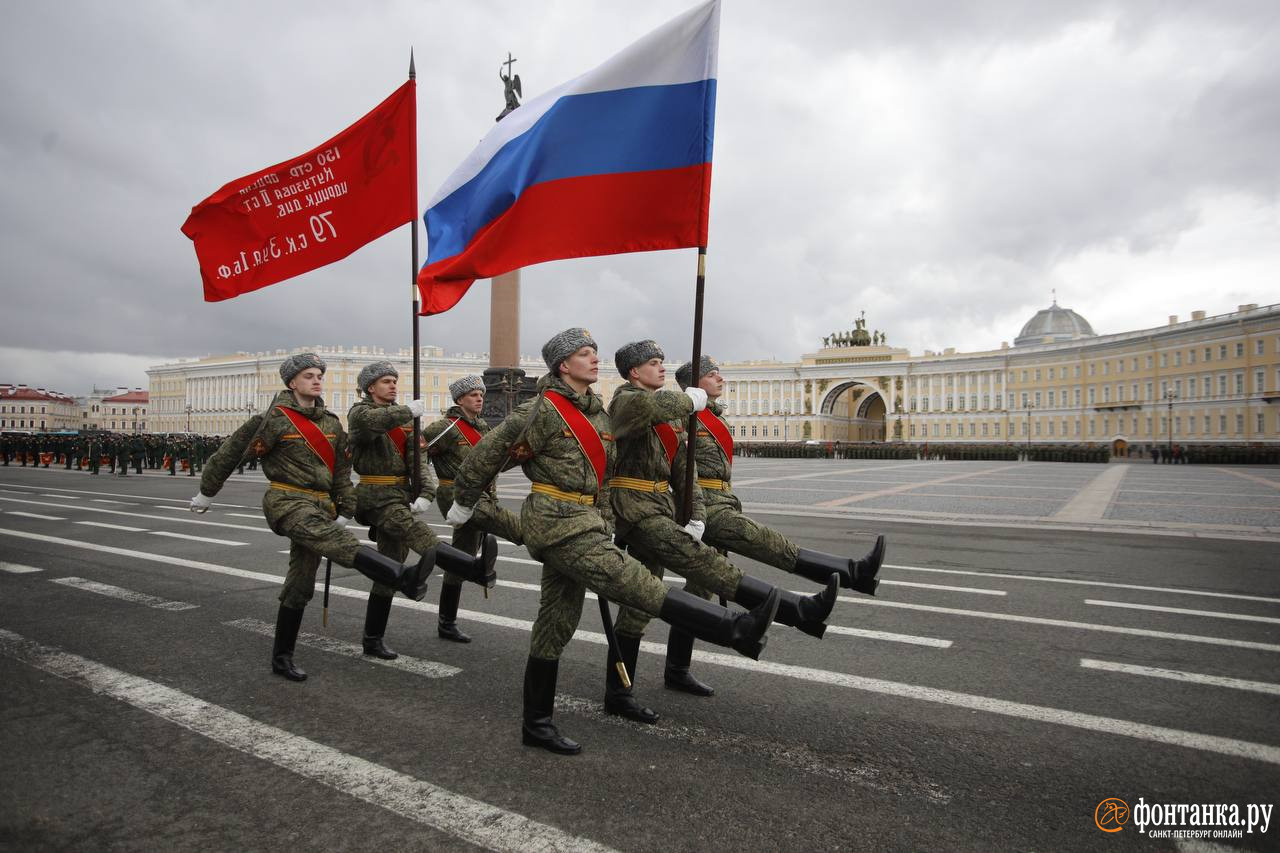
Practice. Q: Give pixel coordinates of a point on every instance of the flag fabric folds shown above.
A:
(616, 160)
(313, 210)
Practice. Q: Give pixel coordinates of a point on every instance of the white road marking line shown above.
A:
(63, 497)
(1077, 582)
(36, 515)
(910, 639)
(519, 560)
(182, 501)
(139, 515)
(1207, 743)
(1182, 611)
(245, 514)
(18, 569)
(473, 821)
(112, 526)
(196, 538)
(1176, 675)
(943, 588)
(105, 501)
(1064, 623)
(1090, 502)
(1019, 710)
(124, 594)
(416, 666)
(784, 753)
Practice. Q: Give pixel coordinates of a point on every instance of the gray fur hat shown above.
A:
(565, 344)
(635, 354)
(371, 373)
(295, 364)
(684, 374)
(465, 386)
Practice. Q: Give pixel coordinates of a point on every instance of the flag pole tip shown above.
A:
(412, 73)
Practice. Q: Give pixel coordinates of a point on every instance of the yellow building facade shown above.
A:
(1203, 380)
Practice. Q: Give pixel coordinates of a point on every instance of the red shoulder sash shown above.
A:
(311, 433)
(718, 431)
(470, 433)
(400, 438)
(670, 441)
(583, 431)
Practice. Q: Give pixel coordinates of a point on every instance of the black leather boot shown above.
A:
(379, 568)
(743, 632)
(447, 626)
(539, 700)
(619, 700)
(376, 614)
(807, 613)
(676, 675)
(288, 621)
(858, 575)
(478, 570)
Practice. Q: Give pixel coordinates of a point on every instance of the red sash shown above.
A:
(718, 431)
(311, 433)
(583, 431)
(670, 442)
(470, 433)
(400, 438)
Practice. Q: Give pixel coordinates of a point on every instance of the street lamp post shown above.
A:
(1030, 406)
(188, 417)
(1170, 395)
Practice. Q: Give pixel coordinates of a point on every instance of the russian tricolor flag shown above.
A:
(616, 160)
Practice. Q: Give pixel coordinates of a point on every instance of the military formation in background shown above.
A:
(115, 452)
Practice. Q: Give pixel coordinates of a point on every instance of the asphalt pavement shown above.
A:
(1046, 637)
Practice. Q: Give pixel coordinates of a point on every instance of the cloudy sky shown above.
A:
(943, 165)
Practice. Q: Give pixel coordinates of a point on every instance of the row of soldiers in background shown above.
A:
(118, 451)
(1210, 454)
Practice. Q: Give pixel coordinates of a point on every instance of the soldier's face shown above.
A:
(712, 383)
(309, 382)
(472, 402)
(651, 375)
(384, 390)
(583, 366)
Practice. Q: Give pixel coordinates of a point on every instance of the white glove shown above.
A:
(699, 398)
(342, 521)
(695, 529)
(417, 407)
(200, 503)
(459, 514)
(419, 506)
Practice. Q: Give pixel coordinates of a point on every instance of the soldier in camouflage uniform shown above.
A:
(648, 426)
(562, 440)
(464, 427)
(728, 529)
(304, 454)
(382, 453)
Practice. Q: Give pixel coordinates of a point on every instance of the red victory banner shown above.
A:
(313, 210)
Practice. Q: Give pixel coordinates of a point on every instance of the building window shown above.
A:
(1258, 380)
(1164, 359)
(1239, 383)
(1222, 352)
(1239, 424)
(1222, 424)
(1037, 399)
(1222, 384)
(1239, 349)
(1191, 356)
(997, 430)
(1262, 423)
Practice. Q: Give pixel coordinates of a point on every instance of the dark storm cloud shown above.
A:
(940, 165)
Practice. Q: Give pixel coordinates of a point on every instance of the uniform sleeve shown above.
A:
(228, 456)
(426, 473)
(487, 459)
(343, 492)
(633, 413)
(368, 423)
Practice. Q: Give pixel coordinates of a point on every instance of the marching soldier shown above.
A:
(304, 454)
(648, 425)
(563, 441)
(382, 454)
(729, 529)
(465, 428)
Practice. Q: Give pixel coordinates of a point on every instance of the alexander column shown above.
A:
(505, 385)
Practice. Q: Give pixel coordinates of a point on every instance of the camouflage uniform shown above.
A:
(567, 522)
(304, 498)
(447, 455)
